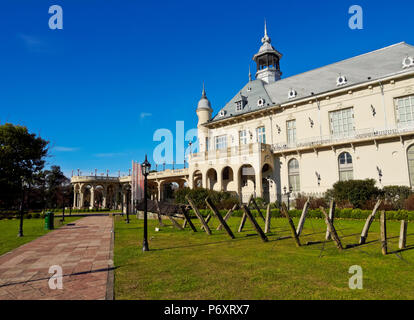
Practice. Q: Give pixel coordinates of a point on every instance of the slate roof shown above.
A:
(376, 65)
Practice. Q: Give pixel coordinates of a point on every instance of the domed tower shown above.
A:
(204, 113)
(267, 60)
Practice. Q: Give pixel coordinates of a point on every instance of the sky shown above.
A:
(118, 71)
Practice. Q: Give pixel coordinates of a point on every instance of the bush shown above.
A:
(314, 203)
(222, 200)
(355, 192)
(395, 196)
(409, 203)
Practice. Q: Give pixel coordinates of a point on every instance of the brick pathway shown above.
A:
(83, 250)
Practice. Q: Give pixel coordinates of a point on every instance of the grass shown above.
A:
(32, 229)
(184, 265)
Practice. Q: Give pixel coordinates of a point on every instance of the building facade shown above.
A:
(353, 119)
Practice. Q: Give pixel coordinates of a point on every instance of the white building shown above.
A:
(353, 119)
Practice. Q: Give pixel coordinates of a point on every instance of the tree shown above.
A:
(21, 158)
(57, 188)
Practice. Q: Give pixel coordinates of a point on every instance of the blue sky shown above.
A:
(119, 70)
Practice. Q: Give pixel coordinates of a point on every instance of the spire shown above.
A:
(266, 37)
(203, 95)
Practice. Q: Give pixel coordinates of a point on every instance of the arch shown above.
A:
(197, 179)
(212, 178)
(227, 176)
(269, 187)
(345, 166)
(247, 178)
(410, 160)
(294, 175)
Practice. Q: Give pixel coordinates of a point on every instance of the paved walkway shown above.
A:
(84, 251)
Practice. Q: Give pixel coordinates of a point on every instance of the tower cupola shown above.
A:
(204, 110)
(267, 61)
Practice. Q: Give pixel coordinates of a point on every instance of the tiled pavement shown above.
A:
(82, 249)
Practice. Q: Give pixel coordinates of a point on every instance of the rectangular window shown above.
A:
(294, 182)
(221, 142)
(207, 144)
(405, 111)
(242, 137)
(291, 132)
(261, 135)
(342, 122)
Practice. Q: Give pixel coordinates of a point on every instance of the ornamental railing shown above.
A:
(362, 134)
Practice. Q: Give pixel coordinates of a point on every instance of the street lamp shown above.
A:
(288, 196)
(145, 166)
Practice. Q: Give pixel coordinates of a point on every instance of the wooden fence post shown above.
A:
(370, 219)
(219, 217)
(207, 220)
(332, 230)
(383, 224)
(403, 235)
(291, 224)
(303, 218)
(187, 219)
(242, 222)
(175, 223)
(258, 209)
(198, 214)
(268, 217)
(227, 217)
(331, 218)
(159, 214)
(254, 223)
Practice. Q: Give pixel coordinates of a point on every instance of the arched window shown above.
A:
(410, 155)
(346, 167)
(294, 178)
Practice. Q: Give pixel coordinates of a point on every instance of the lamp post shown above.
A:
(145, 166)
(288, 196)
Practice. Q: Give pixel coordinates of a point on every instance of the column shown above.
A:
(236, 177)
(259, 187)
(124, 200)
(74, 197)
(92, 204)
(220, 180)
(81, 193)
(204, 180)
(104, 195)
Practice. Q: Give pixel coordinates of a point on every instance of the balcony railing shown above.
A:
(235, 151)
(362, 134)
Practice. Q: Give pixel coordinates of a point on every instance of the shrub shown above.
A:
(395, 196)
(222, 200)
(314, 203)
(409, 203)
(356, 192)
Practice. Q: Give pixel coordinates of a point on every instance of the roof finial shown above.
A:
(204, 92)
(250, 75)
(266, 37)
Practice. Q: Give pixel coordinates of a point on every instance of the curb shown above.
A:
(111, 274)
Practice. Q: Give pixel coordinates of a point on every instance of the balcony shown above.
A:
(354, 137)
(231, 152)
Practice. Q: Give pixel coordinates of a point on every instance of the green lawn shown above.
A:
(32, 229)
(185, 265)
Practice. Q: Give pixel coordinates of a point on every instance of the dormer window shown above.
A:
(222, 113)
(239, 105)
(408, 62)
(292, 94)
(261, 102)
(341, 80)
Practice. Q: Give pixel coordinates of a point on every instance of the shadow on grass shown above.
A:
(65, 275)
